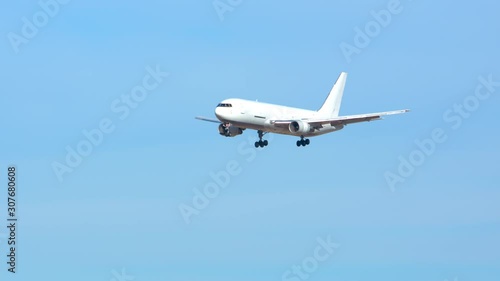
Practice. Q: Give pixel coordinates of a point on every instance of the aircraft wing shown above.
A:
(207, 119)
(342, 120)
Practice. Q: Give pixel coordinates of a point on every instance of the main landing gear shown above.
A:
(261, 143)
(303, 141)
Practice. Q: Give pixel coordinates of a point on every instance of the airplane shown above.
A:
(236, 115)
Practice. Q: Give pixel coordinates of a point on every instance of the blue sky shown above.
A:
(118, 209)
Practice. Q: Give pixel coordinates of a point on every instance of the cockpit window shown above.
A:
(224, 105)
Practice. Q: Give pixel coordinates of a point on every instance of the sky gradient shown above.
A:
(140, 72)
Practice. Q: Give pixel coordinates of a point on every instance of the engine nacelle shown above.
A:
(229, 130)
(299, 127)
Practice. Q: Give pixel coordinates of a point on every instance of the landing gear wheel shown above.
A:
(303, 142)
(261, 143)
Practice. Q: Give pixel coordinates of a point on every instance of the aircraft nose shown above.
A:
(218, 113)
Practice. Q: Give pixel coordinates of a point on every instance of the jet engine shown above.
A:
(299, 127)
(229, 130)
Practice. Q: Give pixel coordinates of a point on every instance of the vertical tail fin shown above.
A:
(331, 106)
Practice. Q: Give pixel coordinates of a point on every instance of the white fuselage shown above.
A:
(257, 116)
